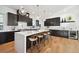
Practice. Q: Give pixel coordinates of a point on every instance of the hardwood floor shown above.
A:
(53, 45)
(7, 48)
(57, 45)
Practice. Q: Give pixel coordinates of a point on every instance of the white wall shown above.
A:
(69, 11)
(4, 11)
(44, 12)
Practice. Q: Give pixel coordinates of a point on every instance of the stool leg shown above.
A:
(36, 42)
(49, 38)
(31, 44)
(44, 42)
(37, 46)
(39, 40)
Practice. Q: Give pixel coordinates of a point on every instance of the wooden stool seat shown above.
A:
(32, 39)
(40, 36)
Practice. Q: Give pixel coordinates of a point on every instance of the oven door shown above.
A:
(73, 34)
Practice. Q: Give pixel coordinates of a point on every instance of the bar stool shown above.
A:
(33, 39)
(45, 36)
(40, 36)
(50, 39)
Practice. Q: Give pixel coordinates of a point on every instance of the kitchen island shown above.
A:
(20, 39)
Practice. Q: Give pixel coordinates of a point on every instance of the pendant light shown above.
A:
(22, 10)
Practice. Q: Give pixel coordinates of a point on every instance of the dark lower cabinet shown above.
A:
(10, 36)
(6, 37)
(3, 37)
(60, 33)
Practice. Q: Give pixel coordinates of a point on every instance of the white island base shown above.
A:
(20, 39)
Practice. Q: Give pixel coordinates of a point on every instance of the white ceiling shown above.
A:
(33, 6)
(47, 10)
(53, 8)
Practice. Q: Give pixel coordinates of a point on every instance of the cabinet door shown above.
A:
(22, 18)
(29, 22)
(15, 22)
(37, 22)
(46, 23)
(53, 21)
(3, 37)
(12, 19)
(10, 36)
(6, 37)
(56, 22)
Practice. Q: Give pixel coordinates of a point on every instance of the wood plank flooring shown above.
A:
(7, 48)
(57, 45)
(53, 45)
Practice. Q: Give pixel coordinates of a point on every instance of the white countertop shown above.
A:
(63, 29)
(23, 32)
(7, 30)
(27, 33)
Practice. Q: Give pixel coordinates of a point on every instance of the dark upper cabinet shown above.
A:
(46, 23)
(22, 18)
(52, 22)
(37, 22)
(12, 19)
(29, 22)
